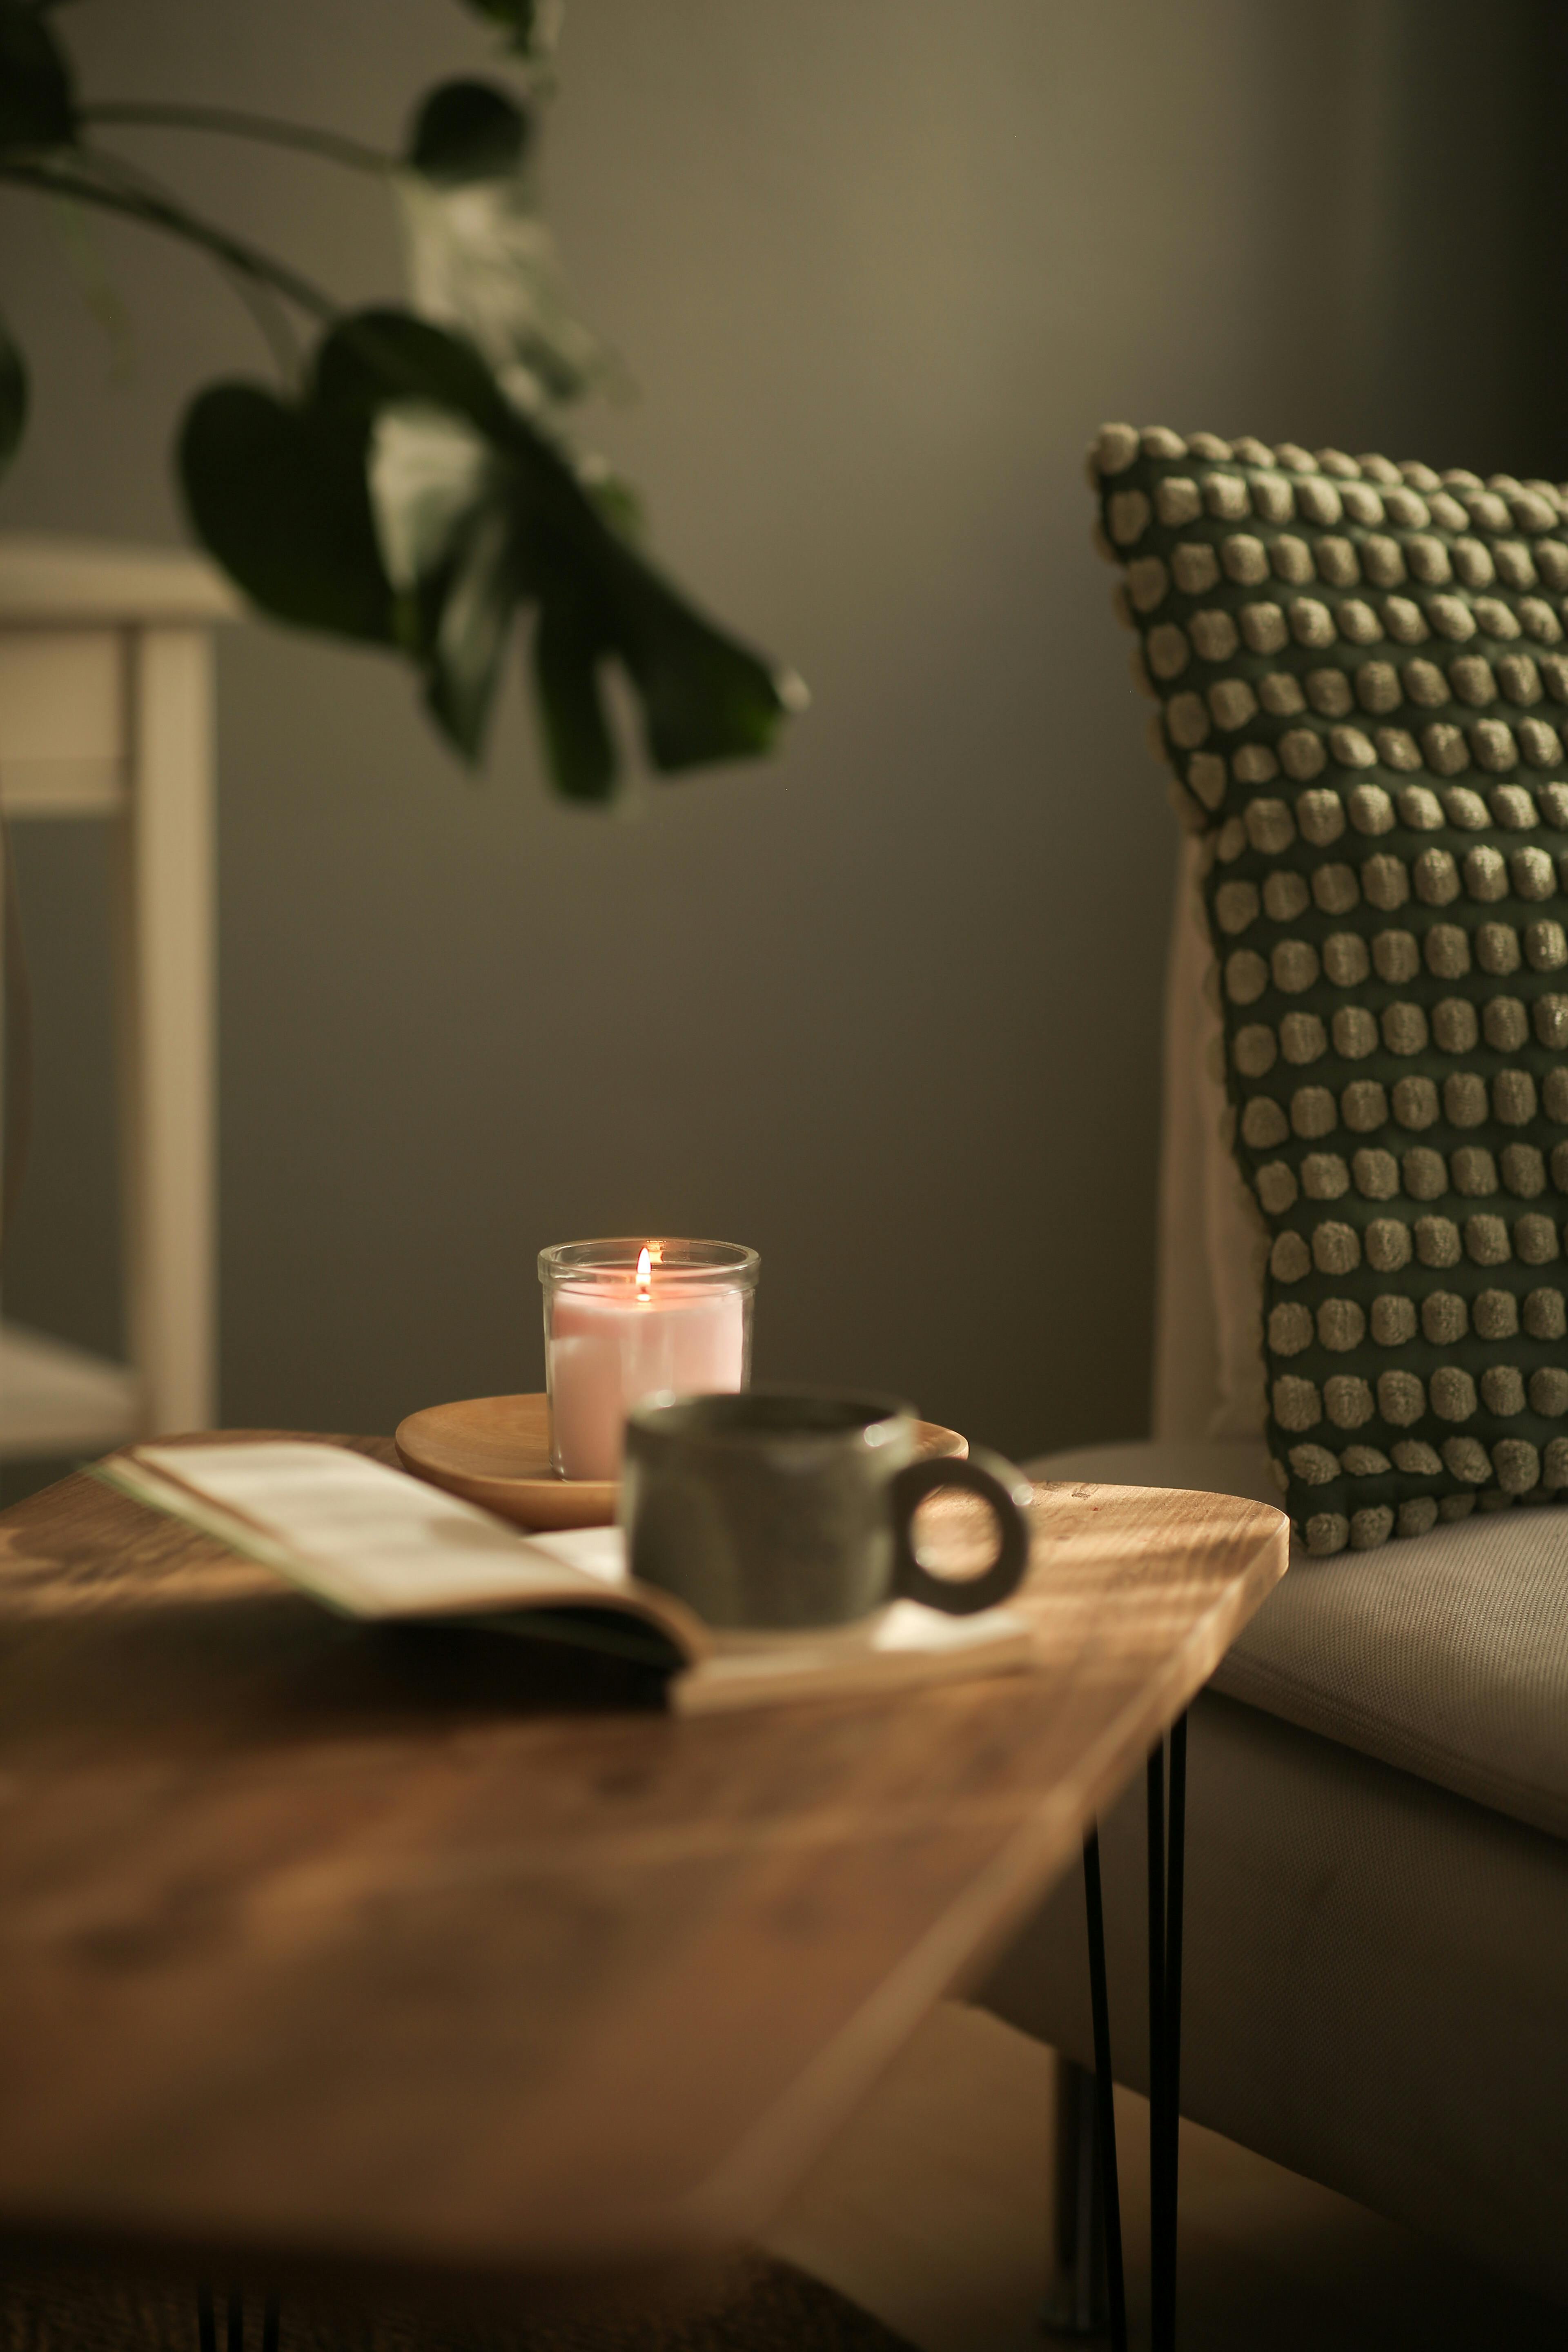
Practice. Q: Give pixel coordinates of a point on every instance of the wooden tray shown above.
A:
(495, 1450)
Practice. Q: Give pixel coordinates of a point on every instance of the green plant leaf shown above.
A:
(578, 744)
(705, 695)
(618, 502)
(483, 264)
(379, 356)
(13, 396)
(467, 130)
(37, 108)
(477, 602)
(429, 472)
(474, 514)
(527, 23)
(277, 494)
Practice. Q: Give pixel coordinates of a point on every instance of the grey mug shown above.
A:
(779, 1508)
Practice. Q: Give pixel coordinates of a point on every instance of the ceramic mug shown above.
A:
(791, 1508)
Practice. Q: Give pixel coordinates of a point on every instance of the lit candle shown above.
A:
(624, 1322)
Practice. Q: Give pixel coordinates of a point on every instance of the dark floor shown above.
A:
(760, 2305)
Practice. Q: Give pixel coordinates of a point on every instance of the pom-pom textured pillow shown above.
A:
(1362, 678)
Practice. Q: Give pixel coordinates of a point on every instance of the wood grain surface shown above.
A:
(495, 1450)
(445, 1952)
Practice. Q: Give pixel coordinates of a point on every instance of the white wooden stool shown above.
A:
(106, 711)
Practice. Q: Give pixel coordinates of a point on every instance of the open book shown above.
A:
(374, 1543)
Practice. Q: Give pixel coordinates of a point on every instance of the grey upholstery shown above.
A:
(1445, 1653)
(1375, 1984)
(1376, 1951)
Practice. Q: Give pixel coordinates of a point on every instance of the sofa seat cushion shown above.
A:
(1446, 1655)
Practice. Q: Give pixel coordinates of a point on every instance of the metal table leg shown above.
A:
(1076, 2305)
(1154, 1804)
(1100, 2004)
(1166, 1891)
(206, 2321)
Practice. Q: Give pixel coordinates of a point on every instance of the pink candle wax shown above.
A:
(611, 1346)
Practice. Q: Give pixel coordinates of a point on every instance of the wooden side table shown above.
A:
(106, 711)
(430, 1955)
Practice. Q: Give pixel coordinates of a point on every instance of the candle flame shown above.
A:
(645, 1274)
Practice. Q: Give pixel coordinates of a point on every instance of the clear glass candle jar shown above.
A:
(627, 1319)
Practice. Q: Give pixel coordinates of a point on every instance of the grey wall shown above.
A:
(888, 1006)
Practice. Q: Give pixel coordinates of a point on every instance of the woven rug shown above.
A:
(758, 2306)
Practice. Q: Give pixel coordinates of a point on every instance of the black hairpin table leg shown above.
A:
(1155, 1802)
(1166, 1892)
(206, 2321)
(1104, 2090)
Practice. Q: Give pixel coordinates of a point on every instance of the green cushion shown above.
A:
(1361, 674)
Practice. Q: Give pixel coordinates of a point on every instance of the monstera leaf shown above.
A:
(405, 501)
(480, 258)
(276, 492)
(529, 25)
(467, 130)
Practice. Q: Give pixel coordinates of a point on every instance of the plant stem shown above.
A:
(266, 310)
(154, 213)
(235, 122)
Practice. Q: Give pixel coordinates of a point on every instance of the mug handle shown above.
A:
(997, 1483)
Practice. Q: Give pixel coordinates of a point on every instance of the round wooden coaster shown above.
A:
(495, 1450)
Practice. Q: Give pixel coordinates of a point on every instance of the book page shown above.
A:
(375, 1542)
